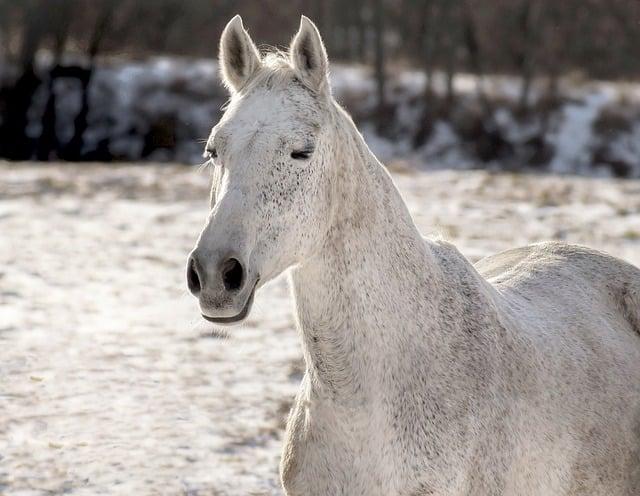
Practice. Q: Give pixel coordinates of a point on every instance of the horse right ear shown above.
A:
(238, 57)
(309, 57)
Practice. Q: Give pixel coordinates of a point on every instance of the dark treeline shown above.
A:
(598, 37)
(531, 39)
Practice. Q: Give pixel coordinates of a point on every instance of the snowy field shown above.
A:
(109, 381)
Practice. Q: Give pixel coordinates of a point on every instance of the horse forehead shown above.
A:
(254, 125)
(286, 101)
(266, 126)
(246, 136)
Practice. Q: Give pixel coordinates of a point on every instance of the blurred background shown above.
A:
(510, 84)
(503, 123)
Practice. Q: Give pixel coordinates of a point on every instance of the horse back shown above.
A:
(570, 274)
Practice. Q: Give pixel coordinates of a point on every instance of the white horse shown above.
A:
(424, 374)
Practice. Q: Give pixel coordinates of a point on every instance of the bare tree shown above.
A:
(523, 48)
(14, 141)
(379, 61)
(60, 21)
(73, 150)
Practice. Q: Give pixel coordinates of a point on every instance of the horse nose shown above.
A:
(229, 274)
(194, 281)
(232, 274)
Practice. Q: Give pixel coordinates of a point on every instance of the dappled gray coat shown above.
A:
(424, 374)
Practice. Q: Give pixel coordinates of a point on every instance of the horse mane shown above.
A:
(276, 70)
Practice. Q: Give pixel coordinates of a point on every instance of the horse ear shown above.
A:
(309, 57)
(239, 58)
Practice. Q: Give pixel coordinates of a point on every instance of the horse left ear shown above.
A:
(309, 57)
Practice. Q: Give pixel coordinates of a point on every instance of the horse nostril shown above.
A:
(193, 280)
(232, 274)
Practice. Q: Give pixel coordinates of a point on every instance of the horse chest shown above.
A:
(346, 453)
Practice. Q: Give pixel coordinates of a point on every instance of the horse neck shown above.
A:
(359, 297)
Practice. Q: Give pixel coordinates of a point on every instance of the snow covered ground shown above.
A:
(109, 381)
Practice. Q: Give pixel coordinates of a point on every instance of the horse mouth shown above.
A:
(236, 318)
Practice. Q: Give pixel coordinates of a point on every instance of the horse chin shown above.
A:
(240, 317)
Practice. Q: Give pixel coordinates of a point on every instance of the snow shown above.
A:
(110, 383)
(444, 149)
(575, 132)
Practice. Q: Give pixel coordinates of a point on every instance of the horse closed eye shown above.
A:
(301, 154)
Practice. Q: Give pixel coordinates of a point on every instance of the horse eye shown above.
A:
(301, 154)
(211, 153)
